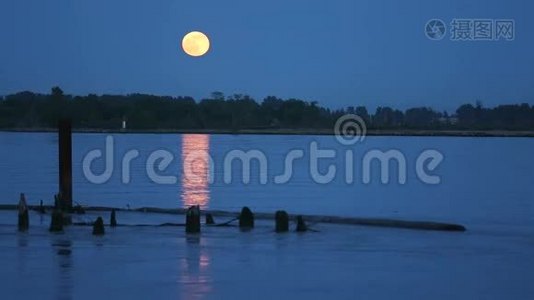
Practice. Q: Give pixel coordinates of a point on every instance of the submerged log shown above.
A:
(79, 209)
(209, 219)
(192, 220)
(24, 219)
(113, 219)
(98, 227)
(301, 225)
(246, 218)
(377, 222)
(282, 221)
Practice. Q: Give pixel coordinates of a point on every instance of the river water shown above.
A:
(482, 180)
(485, 184)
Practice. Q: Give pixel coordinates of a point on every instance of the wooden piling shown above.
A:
(246, 218)
(60, 206)
(192, 222)
(301, 225)
(56, 224)
(209, 219)
(24, 219)
(282, 221)
(98, 227)
(65, 163)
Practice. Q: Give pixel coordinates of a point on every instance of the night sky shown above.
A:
(336, 52)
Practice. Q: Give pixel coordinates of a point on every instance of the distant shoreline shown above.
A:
(389, 132)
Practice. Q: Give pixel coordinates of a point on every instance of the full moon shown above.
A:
(195, 43)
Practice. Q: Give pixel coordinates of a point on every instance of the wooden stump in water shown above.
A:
(56, 224)
(301, 225)
(282, 221)
(246, 218)
(209, 219)
(63, 210)
(113, 219)
(192, 220)
(98, 227)
(24, 219)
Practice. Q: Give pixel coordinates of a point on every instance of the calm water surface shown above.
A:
(483, 180)
(486, 184)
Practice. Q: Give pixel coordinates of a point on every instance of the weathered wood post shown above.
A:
(246, 218)
(192, 220)
(113, 219)
(98, 227)
(60, 207)
(65, 163)
(56, 224)
(282, 221)
(209, 219)
(301, 225)
(24, 219)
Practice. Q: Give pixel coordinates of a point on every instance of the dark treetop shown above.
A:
(27, 110)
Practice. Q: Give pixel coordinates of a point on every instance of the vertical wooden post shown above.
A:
(24, 219)
(192, 220)
(282, 221)
(98, 227)
(246, 218)
(209, 219)
(65, 163)
(301, 224)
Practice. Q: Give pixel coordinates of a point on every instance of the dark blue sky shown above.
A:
(336, 52)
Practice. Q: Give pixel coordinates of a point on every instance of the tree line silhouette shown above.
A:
(27, 110)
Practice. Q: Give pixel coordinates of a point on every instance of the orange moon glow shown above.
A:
(196, 43)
